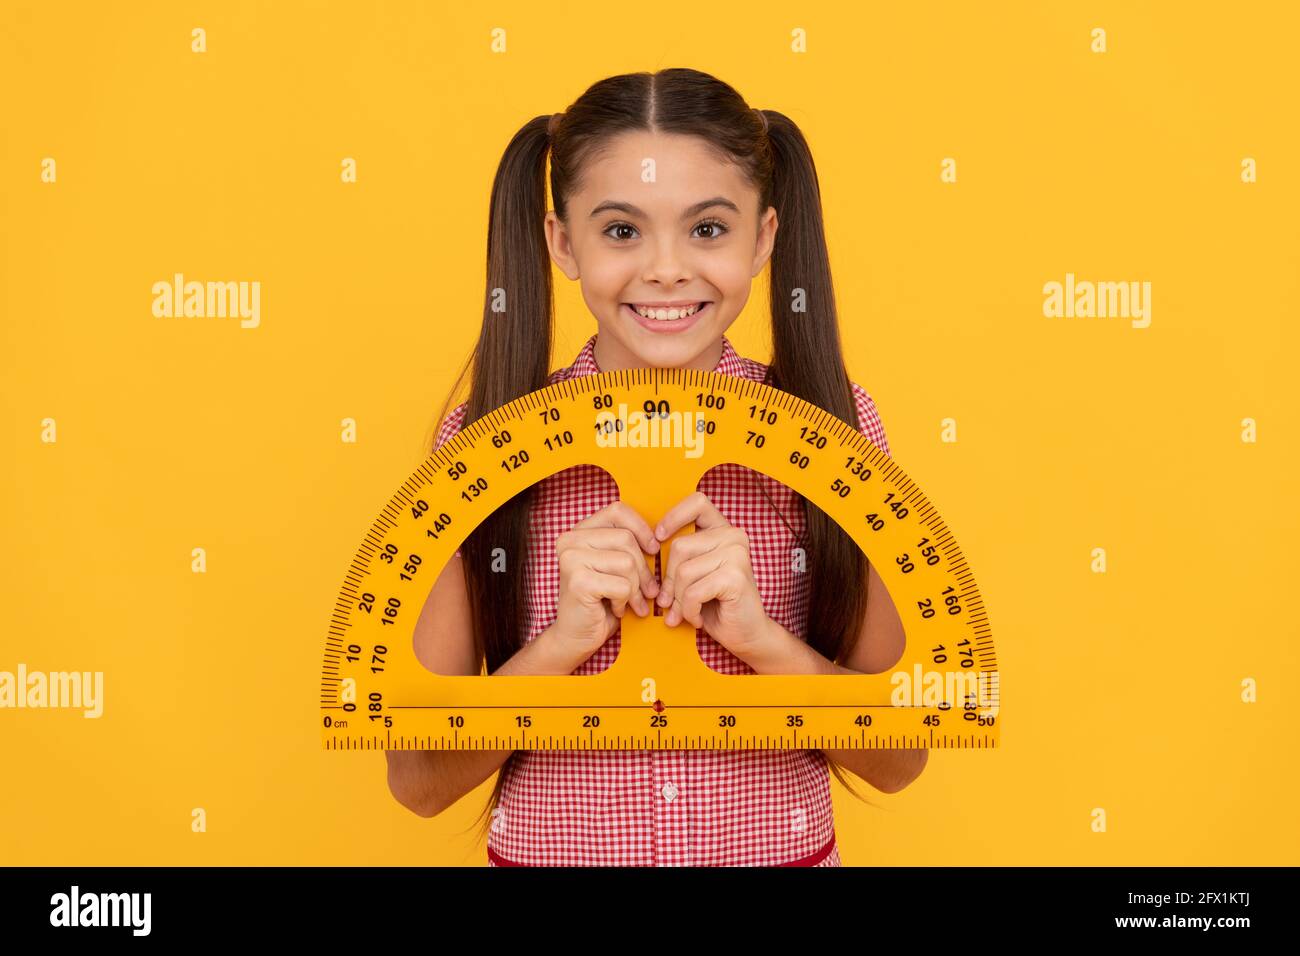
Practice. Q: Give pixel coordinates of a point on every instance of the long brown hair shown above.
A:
(512, 357)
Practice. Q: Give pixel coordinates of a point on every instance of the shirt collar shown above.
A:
(585, 364)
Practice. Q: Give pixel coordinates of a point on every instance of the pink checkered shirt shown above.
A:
(669, 807)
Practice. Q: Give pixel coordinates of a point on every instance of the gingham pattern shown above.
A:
(656, 807)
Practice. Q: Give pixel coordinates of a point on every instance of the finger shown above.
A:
(724, 584)
(596, 586)
(599, 575)
(620, 514)
(629, 564)
(690, 594)
(621, 539)
(683, 549)
(646, 584)
(694, 507)
(575, 560)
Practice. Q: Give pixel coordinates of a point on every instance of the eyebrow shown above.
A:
(612, 205)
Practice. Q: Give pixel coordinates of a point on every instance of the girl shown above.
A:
(670, 195)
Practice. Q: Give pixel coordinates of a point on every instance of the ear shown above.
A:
(767, 224)
(559, 245)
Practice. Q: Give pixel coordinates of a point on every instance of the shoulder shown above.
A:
(455, 419)
(752, 369)
(450, 425)
(869, 422)
(869, 418)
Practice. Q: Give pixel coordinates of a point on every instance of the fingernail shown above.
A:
(662, 599)
(659, 532)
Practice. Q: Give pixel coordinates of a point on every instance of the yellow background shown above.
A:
(1121, 690)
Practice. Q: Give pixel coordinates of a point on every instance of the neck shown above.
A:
(621, 360)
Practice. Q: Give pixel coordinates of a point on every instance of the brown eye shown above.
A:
(620, 225)
(713, 224)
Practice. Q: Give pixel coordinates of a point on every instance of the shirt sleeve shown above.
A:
(447, 430)
(869, 419)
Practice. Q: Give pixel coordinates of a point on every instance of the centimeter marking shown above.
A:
(553, 742)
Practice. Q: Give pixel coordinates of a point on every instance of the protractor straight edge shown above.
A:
(657, 431)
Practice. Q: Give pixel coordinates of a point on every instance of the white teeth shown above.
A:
(667, 315)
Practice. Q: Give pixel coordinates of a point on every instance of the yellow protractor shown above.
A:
(657, 431)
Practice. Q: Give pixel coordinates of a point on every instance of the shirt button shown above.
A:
(669, 791)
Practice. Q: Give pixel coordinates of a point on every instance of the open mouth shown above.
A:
(667, 319)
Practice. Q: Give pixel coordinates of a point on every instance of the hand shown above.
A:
(709, 579)
(603, 570)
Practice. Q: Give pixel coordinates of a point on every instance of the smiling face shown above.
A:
(690, 235)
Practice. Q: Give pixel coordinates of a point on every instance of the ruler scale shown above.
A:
(657, 431)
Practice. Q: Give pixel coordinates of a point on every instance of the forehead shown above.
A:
(661, 173)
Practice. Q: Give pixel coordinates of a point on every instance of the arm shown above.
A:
(429, 781)
(879, 646)
(426, 782)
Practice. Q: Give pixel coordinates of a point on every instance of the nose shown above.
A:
(668, 265)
